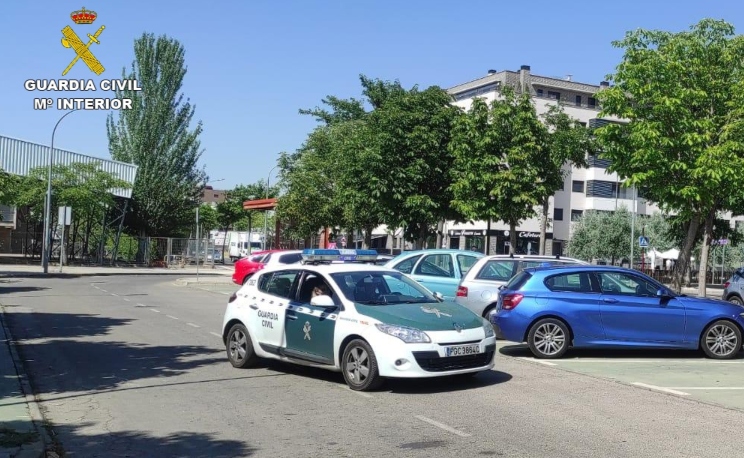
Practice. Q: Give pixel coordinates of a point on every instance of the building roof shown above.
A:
(19, 157)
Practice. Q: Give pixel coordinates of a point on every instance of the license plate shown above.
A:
(462, 350)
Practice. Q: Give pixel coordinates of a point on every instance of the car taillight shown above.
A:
(462, 291)
(510, 301)
(726, 285)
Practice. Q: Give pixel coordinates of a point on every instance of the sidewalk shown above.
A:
(8, 270)
(22, 434)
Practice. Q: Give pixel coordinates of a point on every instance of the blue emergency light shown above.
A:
(315, 255)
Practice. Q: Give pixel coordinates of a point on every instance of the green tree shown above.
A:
(567, 144)
(600, 235)
(497, 151)
(682, 94)
(208, 219)
(156, 136)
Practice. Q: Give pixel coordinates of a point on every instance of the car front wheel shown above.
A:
(721, 340)
(736, 300)
(359, 366)
(548, 338)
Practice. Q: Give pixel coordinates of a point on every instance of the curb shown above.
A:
(38, 448)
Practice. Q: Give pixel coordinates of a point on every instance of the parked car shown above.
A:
(733, 289)
(479, 288)
(587, 306)
(214, 256)
(246, 267)
(439, 270)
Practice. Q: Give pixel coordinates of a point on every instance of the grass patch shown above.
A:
(12, 438)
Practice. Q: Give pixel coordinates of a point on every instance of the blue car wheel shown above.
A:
(721, 340)
(549, 338)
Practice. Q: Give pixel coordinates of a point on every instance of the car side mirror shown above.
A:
(502, 287)
(662, 293)
(439, 296)
(322, 301)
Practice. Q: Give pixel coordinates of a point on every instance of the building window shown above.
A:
(557, 214)
(554, 95)
(540, 93)
(576, 215)
(577, 186)
(592, 102)
(578, 100)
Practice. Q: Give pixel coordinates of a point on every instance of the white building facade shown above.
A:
(593, 188)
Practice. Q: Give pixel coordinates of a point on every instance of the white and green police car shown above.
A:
(372, 323)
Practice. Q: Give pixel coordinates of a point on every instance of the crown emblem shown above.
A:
(83, 16)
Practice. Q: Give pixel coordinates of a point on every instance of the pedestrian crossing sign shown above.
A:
(643, 242)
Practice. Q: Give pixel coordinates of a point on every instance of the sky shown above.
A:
(252, 64)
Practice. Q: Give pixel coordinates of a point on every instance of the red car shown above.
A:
(246, 267)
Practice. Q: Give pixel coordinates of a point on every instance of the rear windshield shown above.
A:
(290, 258)
(518, 281)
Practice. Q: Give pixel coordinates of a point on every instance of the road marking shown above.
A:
(115, 295)
(535, 360)
(642, 361)
(154, 310)
(103, 290)
(124, 298)
(442, 426)
(215, 334)
(706, 388)
(660, 388)
(171, 316)
(140, 305)
(360, 393)
(193, 325)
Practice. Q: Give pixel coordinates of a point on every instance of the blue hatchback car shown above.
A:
(554, 308)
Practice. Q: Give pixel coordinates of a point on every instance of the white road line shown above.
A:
(154, 310)
(140, 305)
(641, 361)
(104, 290)
(661, 388)
(442, 425)
(360, 393)
(115, 295)
(193, 325)
(125, 299)
(706, 388)
(535, 360)
(215, 334)
(171, 316)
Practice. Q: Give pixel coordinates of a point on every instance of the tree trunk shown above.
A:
(683, 260)
(440, 235)
(512, 237)
(544, 225)
(704, 250)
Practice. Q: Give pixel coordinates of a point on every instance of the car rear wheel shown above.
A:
(721, 340)
(548, 338)
(359, 366)
(240, 348)
(735, 300)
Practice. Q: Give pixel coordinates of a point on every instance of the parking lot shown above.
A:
(681, 373)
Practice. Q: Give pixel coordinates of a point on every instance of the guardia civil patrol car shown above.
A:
(370, 323)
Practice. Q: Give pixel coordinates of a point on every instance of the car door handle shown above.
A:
(291, 317)
(609, 300)
(253, 306)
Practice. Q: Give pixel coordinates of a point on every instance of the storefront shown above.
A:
(527, 242)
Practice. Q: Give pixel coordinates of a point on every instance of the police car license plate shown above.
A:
(462, 350)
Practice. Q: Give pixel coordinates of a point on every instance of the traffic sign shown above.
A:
(643, 242)
(723, 242)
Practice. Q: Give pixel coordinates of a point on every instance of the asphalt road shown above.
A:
(133, 366)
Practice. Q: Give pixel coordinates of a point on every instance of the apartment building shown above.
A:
(212, 196)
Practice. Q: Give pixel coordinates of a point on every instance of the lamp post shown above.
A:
(47, 248)
(266, 214)
(632, 226)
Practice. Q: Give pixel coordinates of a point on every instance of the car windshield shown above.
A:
(381, 288)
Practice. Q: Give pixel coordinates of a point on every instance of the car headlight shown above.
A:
(488, 328)
(407, 335)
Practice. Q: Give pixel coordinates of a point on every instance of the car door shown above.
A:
(309, 329)
(632, 312)
(576, 298)
(406, 266)
(438, 274)
(270, 303)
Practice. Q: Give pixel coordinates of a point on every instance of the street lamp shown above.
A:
(266, 214)
(47, 248)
